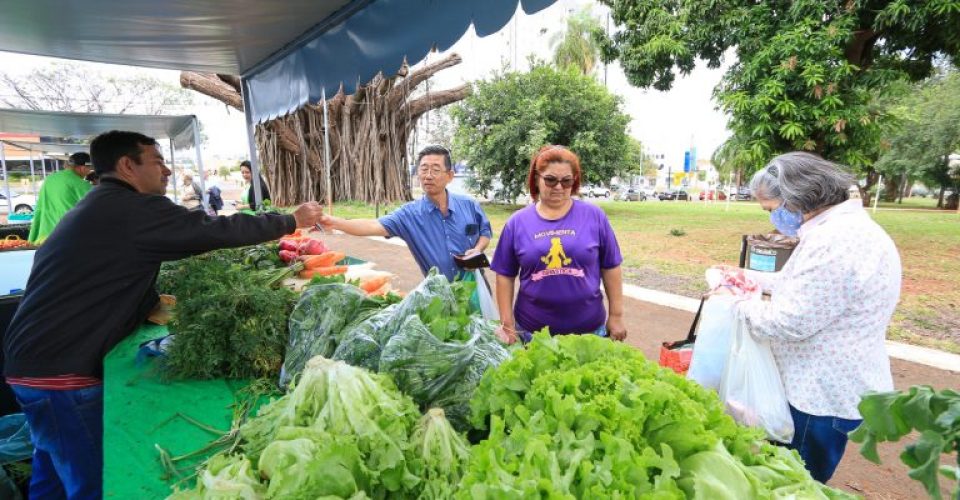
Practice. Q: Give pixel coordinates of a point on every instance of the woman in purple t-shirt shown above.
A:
(562, 249)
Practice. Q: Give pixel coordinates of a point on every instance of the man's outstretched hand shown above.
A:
(309, 214)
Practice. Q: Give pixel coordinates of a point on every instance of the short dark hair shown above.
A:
(108, 147)
(79, 159)
(436, 150)
(246, 163)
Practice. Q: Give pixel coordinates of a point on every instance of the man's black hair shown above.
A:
(246, 163)
(108, 147)
(436, 150)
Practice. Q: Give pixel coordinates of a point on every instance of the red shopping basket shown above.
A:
(677, 355)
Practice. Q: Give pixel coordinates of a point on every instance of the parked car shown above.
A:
(22, 203)
(743, 194)
(649, 192)
(708, 195)
(632, 194)
(596, 191)
(674, 195)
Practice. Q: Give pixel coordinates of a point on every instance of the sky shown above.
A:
(666, 122)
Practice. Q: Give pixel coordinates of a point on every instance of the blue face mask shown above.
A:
(787, 222)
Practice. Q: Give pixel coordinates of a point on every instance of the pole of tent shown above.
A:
(251, 144)
(876, 201)
(6, 181)
(33, 181)
(173, 168)
(43, 165)
(326, 151)
(196, 144)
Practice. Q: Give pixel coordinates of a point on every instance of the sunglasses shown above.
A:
(551, 181)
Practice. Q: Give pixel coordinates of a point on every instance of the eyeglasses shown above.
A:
(551, 181)
(435, 171)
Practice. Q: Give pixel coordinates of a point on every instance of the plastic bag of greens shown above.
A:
(432, 290)
(360, 344)
(316, 324)
(439, 373)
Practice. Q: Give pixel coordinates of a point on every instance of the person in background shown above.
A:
(436, 227)
(91, 285)
(246, 205)
(192, 198)
(829, 306)
(93, 179)
(562, 249)
(59, 193)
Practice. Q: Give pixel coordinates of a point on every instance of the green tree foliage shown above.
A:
(576, 46)
(510, 116)
(928, 131)
(807, 72)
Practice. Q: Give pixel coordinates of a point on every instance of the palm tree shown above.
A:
(575, 46)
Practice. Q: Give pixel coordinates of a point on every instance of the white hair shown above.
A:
(803, 181)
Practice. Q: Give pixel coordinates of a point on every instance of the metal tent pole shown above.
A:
(43, 166)
(173, 168)
(196, 145)
(6, 181)
(33, 182)
(251, 144)
(326, 150)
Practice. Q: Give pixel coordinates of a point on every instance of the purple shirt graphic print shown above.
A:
(559, 264)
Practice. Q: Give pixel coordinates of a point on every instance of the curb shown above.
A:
(922, 355)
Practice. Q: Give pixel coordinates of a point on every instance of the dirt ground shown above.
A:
(649, 325)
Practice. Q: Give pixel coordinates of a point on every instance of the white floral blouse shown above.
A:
(829, 311)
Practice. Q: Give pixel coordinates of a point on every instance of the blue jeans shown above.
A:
(525, 336)
(66, 428)
(820, 441)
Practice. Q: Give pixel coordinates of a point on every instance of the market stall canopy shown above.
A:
(287, 52)
(48, 147)
(85, 126)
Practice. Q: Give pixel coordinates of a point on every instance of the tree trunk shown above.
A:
(890, 188)
(902, 187)
(940, 198)
(871, 180)
(368, 133)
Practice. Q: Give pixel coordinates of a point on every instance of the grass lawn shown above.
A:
(929, 244)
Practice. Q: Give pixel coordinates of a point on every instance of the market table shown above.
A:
(140, 410)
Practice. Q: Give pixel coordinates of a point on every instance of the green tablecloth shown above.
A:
(139, 411)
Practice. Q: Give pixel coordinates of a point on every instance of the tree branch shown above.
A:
(435, 100)
(404, 87)
(211, 85)
(231, 80)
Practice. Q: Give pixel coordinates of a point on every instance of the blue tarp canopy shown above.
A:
(287, 52)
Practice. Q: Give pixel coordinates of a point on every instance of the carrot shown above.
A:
(322, 271)
(326, 259)
(379, 292)
(372, 284)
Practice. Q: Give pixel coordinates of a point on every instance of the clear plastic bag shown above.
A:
(751, 389)
(718, 323)
(488, 307)
(441, 374)
(316, 324)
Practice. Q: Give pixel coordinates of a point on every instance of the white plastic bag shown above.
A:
(751, 389)
(718, 323)
(488, 307)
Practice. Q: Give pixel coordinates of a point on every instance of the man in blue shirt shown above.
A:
(436, 227)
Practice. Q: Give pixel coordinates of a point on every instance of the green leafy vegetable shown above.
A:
(341, 432)
(581, 417)
(228, 322)
(888, 416)
(439, 455)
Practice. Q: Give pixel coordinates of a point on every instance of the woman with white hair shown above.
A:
(829, 306)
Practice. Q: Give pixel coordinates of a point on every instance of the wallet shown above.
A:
(476, 261)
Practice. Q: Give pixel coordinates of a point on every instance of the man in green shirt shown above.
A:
(60, 192)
